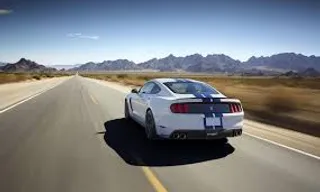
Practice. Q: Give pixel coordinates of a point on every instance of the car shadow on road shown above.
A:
(129, 141)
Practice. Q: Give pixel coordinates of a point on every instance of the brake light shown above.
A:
(232, 109)
(235, 107)
(179, 108)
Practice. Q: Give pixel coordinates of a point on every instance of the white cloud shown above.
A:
(82, 36)
(5, 11)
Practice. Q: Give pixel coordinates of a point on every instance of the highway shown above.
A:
(73, 138)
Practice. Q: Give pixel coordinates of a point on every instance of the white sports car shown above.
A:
(184, 109)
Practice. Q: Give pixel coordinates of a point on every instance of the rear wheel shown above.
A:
(126, 111)
(150, 126)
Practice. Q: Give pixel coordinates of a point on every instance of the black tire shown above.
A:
(150, 126)
(126, 111)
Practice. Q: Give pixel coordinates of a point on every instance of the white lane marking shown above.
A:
(257, 137)
(93, 99)
(28, 98)
(284, 146)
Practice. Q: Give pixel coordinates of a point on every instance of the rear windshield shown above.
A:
(190, 88)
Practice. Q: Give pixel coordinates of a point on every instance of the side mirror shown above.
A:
(134, 91)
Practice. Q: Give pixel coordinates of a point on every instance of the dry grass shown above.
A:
(17, 77)
(290, 103)
(281, 101)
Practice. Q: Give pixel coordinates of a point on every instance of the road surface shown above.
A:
(74, 138)
(12, 93)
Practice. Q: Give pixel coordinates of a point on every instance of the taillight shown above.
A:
(235, 107)
(179, 108)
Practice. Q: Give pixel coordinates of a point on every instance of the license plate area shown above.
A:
(211, 134)
(213, 121)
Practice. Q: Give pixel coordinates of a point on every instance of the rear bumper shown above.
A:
(204, 134)
(169, 123)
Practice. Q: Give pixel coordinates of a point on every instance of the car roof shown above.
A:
(166, 80)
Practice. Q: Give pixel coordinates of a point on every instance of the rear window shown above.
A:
(190, 88)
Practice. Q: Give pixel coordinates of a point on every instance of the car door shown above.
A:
(146, 98)
(140, 102)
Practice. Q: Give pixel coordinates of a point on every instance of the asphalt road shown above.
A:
(74, 138)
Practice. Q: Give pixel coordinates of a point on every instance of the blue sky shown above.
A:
(72, 32)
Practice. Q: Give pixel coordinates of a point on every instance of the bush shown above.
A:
(280, 101)
(122, 76)
(37, 77)
(47, 75)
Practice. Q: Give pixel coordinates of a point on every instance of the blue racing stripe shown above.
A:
(181, 81)
(187, 81)
(208, 95)
(198, 95)
(217, 100)
(218, 114)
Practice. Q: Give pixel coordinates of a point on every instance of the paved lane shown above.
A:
(12, 93)
(50, 143)
(74, 138)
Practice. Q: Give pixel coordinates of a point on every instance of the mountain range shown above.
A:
(116, 65)
(215, 63)
(24, 65)
(287, 64)
(65, 67)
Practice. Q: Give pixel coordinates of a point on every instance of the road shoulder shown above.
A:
(13, 94)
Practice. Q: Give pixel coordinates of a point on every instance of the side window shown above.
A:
(156, 89)
(147, 88)
(198, 88)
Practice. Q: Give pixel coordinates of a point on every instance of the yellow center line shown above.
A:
(153, 180)
(93, 99)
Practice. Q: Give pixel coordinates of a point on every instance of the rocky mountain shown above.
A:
(193, 63)
(120, 64)
(285, 62)
(215, 63)
(66, 67)
(310, 72)
(211, 64)
(2, 64)
(290, 74)
(170, 63)
(24, 65)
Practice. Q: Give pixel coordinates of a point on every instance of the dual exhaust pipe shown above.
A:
(237, 133)
(183, 136)
(180, 136)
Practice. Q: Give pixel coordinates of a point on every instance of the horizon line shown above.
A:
(137, 63)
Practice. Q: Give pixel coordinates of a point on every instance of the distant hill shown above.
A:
(193, 63)
(310, 72)
(284, 61)
(66, 67)
(215, 63)
(290, 74)
(2, 64)
(120, 64)
(24, 65)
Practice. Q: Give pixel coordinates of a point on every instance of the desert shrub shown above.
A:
(47, 75)
(122, 76)
(145, 78)
(281, 101)
(37, 77)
